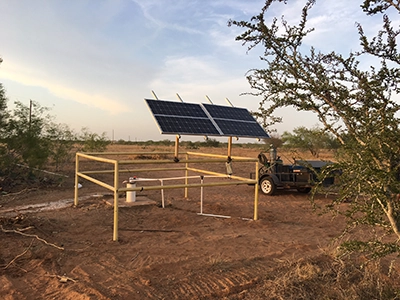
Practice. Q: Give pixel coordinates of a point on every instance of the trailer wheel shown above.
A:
(267, 186)
(304, 190)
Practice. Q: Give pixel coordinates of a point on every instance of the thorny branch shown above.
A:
(19, 255)
(30, 235)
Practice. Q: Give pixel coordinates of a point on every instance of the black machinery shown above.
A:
(300, 175)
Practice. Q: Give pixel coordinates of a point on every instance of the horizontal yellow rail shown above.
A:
(236, 158)
(217, 174)
(99, 182)
(102, 159)
(169, 161)
(133, 170)
(193, 185)
(126, 153)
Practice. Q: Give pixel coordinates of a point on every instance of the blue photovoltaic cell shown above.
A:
(170, 108)
(228, 113)
(234, 121)
(181, 118)
(204, 119)
(183, 125)
(241, 129)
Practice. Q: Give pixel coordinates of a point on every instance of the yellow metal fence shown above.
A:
(181, 165)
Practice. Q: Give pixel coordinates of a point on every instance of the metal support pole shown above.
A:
(229, 102)
(201, 194)
(179, 97)
(186, 176)
(177, 147)
(116, 187)
(154, 95)
(76, 179)
(162, 194)
(256, 189)
(230, 146)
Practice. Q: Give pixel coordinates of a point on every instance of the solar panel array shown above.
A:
(234, 121)
(204, 119)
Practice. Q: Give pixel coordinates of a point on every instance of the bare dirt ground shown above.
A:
(162, 253)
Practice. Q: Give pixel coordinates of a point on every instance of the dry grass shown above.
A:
(327, 277)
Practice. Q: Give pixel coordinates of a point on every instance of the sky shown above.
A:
(93, 62)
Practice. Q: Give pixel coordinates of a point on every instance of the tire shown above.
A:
(267, 186)
(304, 190)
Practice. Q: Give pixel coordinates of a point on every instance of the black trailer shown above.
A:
(301, 175)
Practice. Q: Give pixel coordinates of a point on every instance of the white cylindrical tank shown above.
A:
(131, 195)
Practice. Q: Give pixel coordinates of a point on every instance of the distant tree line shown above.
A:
(304, 139)
(30, 140)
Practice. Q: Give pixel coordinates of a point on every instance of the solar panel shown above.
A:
(204, 119)
(228, 112)
(184, 125)
(171, 108)
(235, 121)
(181, 118)
(241, 129)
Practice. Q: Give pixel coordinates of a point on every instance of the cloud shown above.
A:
(86, 58)
(195, 77)
(110, 54)
(171, 17)
(26, 76)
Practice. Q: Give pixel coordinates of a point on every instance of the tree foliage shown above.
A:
(312, 140)
(91, 141)
(26, 135)
(3, 110)
(275, 140)
(355, 105)
(30, 140)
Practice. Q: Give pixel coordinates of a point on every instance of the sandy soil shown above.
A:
(162, 253)
(170, 253)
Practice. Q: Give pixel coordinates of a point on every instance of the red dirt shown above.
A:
(170, 253)
(162, 253)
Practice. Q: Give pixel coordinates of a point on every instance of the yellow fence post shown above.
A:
(76, 179)
(116, 187)
(186, 175)
(256, 189)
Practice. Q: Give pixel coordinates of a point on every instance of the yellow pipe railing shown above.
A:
(211, 158)
(76, 179)
(133, 170)
(255, 217)
(116, 190)
(186, 175)
(236, 158)
(218, 174)
(180, 186)
(101, 159)
(94, 180)
(126, 153)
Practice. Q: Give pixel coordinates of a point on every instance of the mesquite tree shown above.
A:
(309, 139)
(356, 105)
